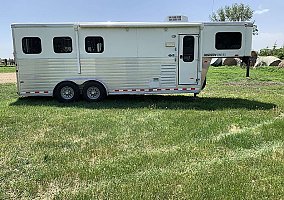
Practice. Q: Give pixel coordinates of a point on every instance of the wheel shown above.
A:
(93, 91)
(67, 92)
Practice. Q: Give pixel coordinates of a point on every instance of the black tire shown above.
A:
(94, 91)
(67, 92)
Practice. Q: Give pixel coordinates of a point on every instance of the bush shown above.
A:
(279, 53)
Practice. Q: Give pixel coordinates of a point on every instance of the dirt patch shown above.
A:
(7, 77)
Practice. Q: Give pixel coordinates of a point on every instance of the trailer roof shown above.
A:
(129, 24)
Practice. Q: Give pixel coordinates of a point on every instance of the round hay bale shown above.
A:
(275, 63)
(259, 62)
(267, 61)
(253, 58)
(216, 62)
(230, 62)
(239, 61)
(271, 60)
(281, 64)
(254, 54)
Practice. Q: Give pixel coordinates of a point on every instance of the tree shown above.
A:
(274, 51)
(234, 13)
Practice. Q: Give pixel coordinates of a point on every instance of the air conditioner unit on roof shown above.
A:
(177, 18)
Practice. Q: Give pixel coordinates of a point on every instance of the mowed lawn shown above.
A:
(226, 144)
(9, 69)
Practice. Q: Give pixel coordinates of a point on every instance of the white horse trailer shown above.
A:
(109, 58)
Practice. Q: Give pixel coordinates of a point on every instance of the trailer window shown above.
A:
(228, 40)
(62, 44)
(94, 44)
(188, 48)
(31, 45)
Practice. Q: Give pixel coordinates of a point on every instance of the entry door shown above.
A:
(188, 59)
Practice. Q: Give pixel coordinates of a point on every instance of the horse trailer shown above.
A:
(66, 60)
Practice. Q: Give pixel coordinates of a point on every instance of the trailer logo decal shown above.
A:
(215, 54)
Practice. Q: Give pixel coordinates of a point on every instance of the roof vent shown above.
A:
(177, 18)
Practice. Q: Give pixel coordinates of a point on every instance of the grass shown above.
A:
(227, 144)
(7, 69)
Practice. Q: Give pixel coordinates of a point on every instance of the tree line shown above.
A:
(274, 51)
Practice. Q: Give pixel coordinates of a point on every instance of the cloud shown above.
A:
(262, 11)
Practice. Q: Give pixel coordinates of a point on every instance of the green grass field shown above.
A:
(226, 144)
(7, 69)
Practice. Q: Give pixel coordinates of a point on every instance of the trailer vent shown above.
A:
(177, 18)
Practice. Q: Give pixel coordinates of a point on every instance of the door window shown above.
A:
(188, 49)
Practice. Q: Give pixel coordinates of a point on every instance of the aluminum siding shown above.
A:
(115, 73)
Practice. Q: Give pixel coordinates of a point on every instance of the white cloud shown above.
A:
(262, 11)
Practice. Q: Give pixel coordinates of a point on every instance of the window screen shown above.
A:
(31, 45)
(62, 44)
(188, 48)
(228, 40)
(94, 44)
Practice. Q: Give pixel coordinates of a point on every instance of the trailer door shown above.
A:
(188, 60)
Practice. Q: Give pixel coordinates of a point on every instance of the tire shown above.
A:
(93, 92)
(67, 92)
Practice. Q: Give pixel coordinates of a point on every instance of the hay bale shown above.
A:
(254, 54)
(253, 58)
(259, 62)
(230, 62)
(239, 61)
(281, 64)
(216, 62)
(267, 61)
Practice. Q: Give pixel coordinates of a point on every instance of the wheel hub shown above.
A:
(67, 92)
(93, 92)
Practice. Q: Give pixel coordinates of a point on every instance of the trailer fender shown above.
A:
(82, 81)
(66, 91)
(97, 81)
(93, 91)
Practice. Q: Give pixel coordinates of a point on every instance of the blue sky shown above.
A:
(268, 14)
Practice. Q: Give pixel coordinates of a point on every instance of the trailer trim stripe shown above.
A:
(154, 90)
(37, 92)
(126, 90)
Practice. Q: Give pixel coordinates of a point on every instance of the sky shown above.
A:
(268, 15)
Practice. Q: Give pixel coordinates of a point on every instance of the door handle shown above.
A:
(180, 56)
